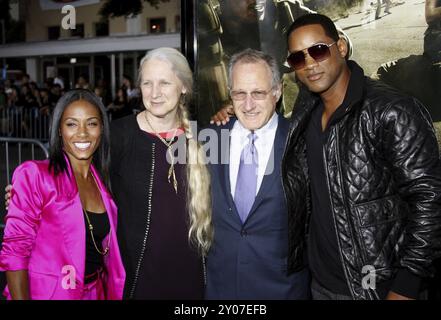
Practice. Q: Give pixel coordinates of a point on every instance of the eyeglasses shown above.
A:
(318, 52)
(242, 95)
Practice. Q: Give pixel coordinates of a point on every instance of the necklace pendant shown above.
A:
(175, 185)
(169, 173)
(171, 170)
(106, 250)
(175, 182)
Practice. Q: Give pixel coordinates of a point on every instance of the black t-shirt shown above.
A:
(323, 253)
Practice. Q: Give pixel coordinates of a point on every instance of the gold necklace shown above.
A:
(171, 170)
(106, 250)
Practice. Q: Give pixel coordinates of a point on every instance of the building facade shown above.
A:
(95, 48)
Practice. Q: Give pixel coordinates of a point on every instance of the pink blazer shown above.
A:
(45, 234)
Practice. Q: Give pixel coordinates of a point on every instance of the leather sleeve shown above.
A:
(410, 145)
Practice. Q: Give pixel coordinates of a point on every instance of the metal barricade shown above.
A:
(20, 122)
(14, 151)
(22, 133)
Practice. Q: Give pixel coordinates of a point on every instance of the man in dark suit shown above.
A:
(248, 257)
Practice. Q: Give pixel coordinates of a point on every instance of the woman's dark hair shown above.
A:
(125, 96)
(101, 157)
(315, 18)
(126, 76)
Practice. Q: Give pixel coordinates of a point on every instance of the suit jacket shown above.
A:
(249, 260)
(45, 234)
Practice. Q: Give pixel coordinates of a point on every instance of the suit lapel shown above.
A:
(224, 164)
(224, 168)
(272, 171)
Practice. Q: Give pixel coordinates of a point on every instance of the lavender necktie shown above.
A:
(246, 182)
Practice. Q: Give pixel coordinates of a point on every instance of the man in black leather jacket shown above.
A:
(366, 160)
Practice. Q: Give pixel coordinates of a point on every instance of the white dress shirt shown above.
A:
(264, 145)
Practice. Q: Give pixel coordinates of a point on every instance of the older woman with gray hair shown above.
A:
(164, 206)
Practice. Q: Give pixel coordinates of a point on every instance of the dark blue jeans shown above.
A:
(321, 293)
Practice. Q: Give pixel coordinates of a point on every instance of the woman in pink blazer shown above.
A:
(60, 236)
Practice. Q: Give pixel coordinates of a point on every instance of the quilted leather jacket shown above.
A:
(384, 178)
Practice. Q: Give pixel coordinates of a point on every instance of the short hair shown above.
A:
(101, 157)
(179, 65)
(315, 18)
(254, 56)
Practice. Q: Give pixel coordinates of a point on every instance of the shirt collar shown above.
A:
(354, 93)
(269, 126)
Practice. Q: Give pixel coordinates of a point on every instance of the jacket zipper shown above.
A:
(369, 292)
(332, 210)
(283, 161)
(149, 213)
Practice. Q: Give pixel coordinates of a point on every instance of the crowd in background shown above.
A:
(25, 97)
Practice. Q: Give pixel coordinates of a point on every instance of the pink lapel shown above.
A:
(106, 197)
(113, 260)
(107, 200)
(74, 230)
(72, 219)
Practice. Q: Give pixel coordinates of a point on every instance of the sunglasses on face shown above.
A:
(319, 52)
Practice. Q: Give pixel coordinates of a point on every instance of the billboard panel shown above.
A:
(393, 41)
